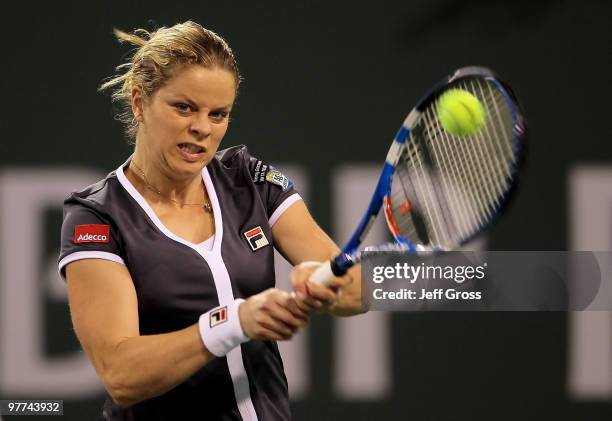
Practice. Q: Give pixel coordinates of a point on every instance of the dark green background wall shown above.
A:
(327, 83)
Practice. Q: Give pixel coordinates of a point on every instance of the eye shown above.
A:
(219, 116)
(182, 107)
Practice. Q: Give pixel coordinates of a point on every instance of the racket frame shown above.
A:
(350, 254)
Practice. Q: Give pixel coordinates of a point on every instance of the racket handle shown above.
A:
(323, 274)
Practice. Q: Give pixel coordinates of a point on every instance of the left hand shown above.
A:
(313, 295)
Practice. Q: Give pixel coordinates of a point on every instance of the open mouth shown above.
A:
(190, 148)
(191, 152)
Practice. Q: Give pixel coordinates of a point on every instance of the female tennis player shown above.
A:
(169, 259)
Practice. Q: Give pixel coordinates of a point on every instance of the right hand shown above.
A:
(271, 314)
(322, 298)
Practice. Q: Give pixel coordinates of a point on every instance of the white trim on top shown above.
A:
(123, 180)
(283, 207)
(208, 243)
(80, 255)
(221, 277)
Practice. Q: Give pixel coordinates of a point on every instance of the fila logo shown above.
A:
(92, 233)
(256, 238)
(218, 316)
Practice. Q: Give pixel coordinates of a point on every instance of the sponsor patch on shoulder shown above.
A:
(218, 316)
(92, 233)
(267, 173)
(274, 176)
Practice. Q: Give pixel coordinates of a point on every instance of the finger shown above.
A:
(340, 282)
(281, 313)
(312, 301)
(321, 292)
(304, 302)
(290, 303)
(290, 320)
(294, 307)
(297, 310)
(263, 333)
(303, 306)
(305, 269)
(298, 281)
(277, 326)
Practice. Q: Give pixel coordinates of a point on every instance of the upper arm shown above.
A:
(299, 238)
(103, 307)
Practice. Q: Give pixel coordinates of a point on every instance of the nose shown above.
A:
(200, 125)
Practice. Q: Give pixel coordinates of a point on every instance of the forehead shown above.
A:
(205, 86)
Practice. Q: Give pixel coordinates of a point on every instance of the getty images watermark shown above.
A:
(482, 281)
(411, 273)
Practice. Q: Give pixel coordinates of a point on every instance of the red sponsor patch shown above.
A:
(253, 232)
(92, 233)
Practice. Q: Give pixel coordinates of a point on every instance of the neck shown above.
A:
(155, 180)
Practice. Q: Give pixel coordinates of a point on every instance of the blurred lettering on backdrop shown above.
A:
(29, 282)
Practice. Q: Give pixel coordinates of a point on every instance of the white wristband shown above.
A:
(220, 328)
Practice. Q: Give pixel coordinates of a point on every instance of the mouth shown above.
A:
(191, 152)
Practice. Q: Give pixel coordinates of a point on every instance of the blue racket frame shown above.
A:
(349, 254)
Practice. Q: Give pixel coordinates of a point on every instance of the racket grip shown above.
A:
(323, 274)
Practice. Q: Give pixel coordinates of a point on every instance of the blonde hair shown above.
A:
(158, 56)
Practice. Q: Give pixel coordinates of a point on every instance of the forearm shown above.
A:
(146, 366)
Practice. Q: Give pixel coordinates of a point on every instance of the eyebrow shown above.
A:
(193, 103)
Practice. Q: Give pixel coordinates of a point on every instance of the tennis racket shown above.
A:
(438, 190)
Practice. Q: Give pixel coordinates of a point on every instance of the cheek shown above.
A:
(220, 132)
(167, 128)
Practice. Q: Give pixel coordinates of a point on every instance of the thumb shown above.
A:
(300, 275)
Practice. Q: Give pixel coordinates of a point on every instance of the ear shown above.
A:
(137, 105)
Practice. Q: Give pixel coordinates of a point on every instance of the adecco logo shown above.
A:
(92, 233)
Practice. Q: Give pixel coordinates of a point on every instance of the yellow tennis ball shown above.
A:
(460, 112)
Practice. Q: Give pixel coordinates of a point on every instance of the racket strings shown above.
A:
(459, 181)
(446, 187)
(447, 191)
(424, 217)
(466, 175)
(485, 154)
(497, 171)
(434, 221)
